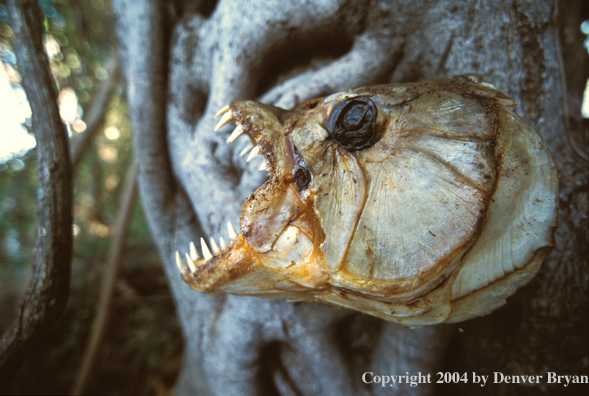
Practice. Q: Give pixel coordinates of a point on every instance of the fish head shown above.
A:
(374, 199)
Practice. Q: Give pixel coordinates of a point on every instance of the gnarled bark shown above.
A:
(47, 295)
(183, 62)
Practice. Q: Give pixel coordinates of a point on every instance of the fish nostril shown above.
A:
(302, 178)
(311, 104)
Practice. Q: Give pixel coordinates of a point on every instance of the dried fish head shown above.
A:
(417, 203)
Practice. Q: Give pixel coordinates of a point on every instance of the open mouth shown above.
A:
(274, 232)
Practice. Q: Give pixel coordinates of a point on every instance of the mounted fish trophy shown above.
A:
(416, 203)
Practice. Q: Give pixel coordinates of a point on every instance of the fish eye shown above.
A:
(352, 123)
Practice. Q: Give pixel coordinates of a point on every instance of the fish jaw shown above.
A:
(288, 272)
(277, 252)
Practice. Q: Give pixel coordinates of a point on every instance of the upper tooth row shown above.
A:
(253, 154)
(206, 253)
(246, 149)
(223, 109)
(227, 118)
(238, 131)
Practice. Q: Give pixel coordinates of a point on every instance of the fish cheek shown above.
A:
(266, 214)
(340, 191)
(428, 190)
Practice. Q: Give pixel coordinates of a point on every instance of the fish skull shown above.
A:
(416, 203)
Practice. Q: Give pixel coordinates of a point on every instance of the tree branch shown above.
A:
(95, 114)
(48, 291)
(107, 285)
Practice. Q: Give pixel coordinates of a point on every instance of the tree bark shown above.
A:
(47, 295)
(183, 62)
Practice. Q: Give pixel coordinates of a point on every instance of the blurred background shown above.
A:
(140, 351)
(141, 347)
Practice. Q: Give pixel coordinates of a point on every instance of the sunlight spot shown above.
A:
(108, 154)
(585, 106)
(17, 164)
(68, 105)
(14, 110)
(112, 133)
(111, 182)
(79, 126)
(99, 229)
(52, 47)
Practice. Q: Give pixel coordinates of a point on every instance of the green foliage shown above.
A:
(143, 329)
(18, 207)
(81, 33)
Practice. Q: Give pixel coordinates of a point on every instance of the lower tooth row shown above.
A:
(207, 255)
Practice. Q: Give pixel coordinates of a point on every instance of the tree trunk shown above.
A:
(184, 61)
(48, 290)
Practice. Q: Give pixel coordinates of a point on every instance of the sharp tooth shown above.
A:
(235, 134)
(246, 149)
(224, 109)
(264, 166)
(227, 117)
(206, 253)
(231, 231)
(179, 263)
(222, 243)
(193, 253)
(190, 263)
(253, 154)
(214, 246)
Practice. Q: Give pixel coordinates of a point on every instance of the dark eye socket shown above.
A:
(352, 123)
(302, 178)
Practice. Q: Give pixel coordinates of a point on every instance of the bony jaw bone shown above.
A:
(417, 203)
